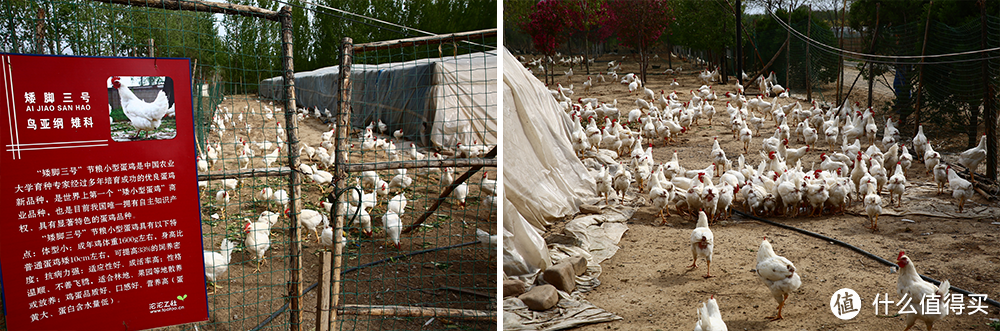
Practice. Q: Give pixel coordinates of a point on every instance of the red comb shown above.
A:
(900, 255)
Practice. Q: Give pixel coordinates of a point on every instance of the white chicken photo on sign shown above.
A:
(141, 108)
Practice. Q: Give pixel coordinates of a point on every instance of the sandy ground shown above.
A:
(648, 284)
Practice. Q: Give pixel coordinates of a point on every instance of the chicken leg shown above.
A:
(780, 306)
(262, 261)
(708, 269)
(213, 287)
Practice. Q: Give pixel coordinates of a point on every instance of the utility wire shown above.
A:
(865, 55)
(405, 29)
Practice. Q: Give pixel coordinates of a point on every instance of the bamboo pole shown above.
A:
(920, 79)
(417, 41)
(323, 296)
(201, 6)
(411, 311)
(359, 167)
(340, 154)
(294, 181)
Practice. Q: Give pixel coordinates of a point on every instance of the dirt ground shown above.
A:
(648, 284)
(249, 296)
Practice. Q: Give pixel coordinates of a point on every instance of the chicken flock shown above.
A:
(257, 140)
(616, 140)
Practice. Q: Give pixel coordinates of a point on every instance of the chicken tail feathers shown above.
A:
(227, 249)
(161, 104)
(943, 289)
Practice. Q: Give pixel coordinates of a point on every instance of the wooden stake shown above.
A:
(323, 297)
(411, 311)
(294, 181)
(340, 154)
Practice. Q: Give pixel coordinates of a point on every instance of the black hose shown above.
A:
(313, 286)
(858, 250)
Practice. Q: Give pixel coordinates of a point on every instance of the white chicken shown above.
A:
(709, 317)
(216, 263)
(919, 141)
(222, 199)
(910, 285)
(873, 205)
(661, 200)
(144, 116)
(310, 219)
(941, 176)
(258, 238)
(459, 194)
(393, 226)
(897, 185)
(778, 273)
(397, 204)
(702, 244)
(272, 157)
(488, 185)
(972, 157)
(961, 189)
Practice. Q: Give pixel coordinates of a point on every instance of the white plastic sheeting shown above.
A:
(523, 246)
(438, 101)
(543, 177)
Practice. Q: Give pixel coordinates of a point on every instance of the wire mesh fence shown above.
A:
(423, 116)
(258, 219)
(243, 140)
(952, 92)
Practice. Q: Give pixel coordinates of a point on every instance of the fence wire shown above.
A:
(411, 106)
(951, 92)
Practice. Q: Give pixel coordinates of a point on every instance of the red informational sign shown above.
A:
(99, 219)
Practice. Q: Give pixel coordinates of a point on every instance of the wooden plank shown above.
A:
(323, 297)
(201, 6)
(257, 172)
(359, 167)
(411, 311)
(417, 41)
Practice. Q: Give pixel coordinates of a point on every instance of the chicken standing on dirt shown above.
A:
(216, 263)
(778, 273)
(897, 185)
(258, 237)
(910, 285)
(393, 226)
(972, 157)
(145, 116)
(310, 219)
(961, 189)
(873, 205)
(702, 244)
